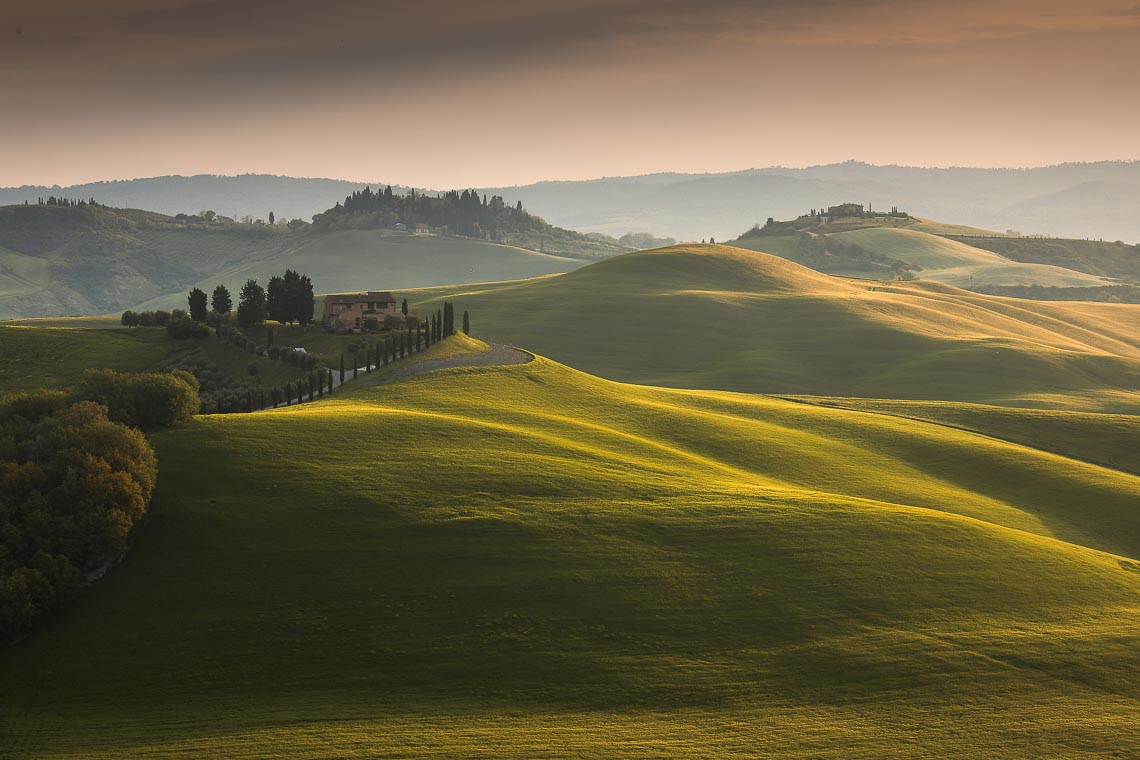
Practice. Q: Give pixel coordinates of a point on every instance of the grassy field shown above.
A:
(724, 318)
(530, 561)
(47, 354)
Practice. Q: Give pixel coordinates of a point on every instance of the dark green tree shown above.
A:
(404, 307)
(466, 323)
(272, 218)
(251, 306)
(198, 305)
(221, 301)
(341, 368)
(298, 297)
(277, 300)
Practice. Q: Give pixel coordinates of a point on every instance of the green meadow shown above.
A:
(916, 533)
(533, 561)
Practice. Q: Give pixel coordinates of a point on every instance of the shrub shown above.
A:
(182, 328)
(73, 484)
(129, 318)
(148, 401)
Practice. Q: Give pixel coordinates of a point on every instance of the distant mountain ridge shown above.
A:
(1098, 200)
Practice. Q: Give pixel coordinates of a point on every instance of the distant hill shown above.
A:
(718, 317)
(1098, 200)
(90, 259)
(884, 246)
(252, 195)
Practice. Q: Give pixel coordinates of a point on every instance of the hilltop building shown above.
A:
(351, 310)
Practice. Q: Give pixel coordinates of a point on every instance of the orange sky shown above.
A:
(455, 93)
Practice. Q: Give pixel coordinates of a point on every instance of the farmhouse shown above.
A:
(352, 310)
(422, 229)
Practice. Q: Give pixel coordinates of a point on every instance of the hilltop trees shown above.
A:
(252, 306)
(221, 301)
(198, 307)
(463, 213)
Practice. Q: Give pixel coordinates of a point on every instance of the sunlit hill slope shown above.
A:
(509, 560)
(701, 316)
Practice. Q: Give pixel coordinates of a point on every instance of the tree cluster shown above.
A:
(289, 298)
(65, 202)
(149, 401)
(73, 483)
(157, 318)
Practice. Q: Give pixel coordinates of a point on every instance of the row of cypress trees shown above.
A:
(380, 354)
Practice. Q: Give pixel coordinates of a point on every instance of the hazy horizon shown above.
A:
(515, 93)
(553, 180)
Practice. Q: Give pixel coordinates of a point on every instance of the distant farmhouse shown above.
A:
(352, 310)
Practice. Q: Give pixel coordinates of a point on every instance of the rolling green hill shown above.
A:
(701, 316)
(955, 263)
(87, 260)
(1095, 257)
(906, 247)
(529, 560)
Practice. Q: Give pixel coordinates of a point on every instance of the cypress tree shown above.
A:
(354, 370)
(330, 381)
(342, 368)
(197, 302)
(220, 405)
(367, 358)
(466, 323)
(404, 307)
(261, 398)
(269, 337)
(439, 324)
(419, 337)
(312, 385)
(248, 400)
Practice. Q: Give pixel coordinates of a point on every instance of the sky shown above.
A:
(456, 93)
